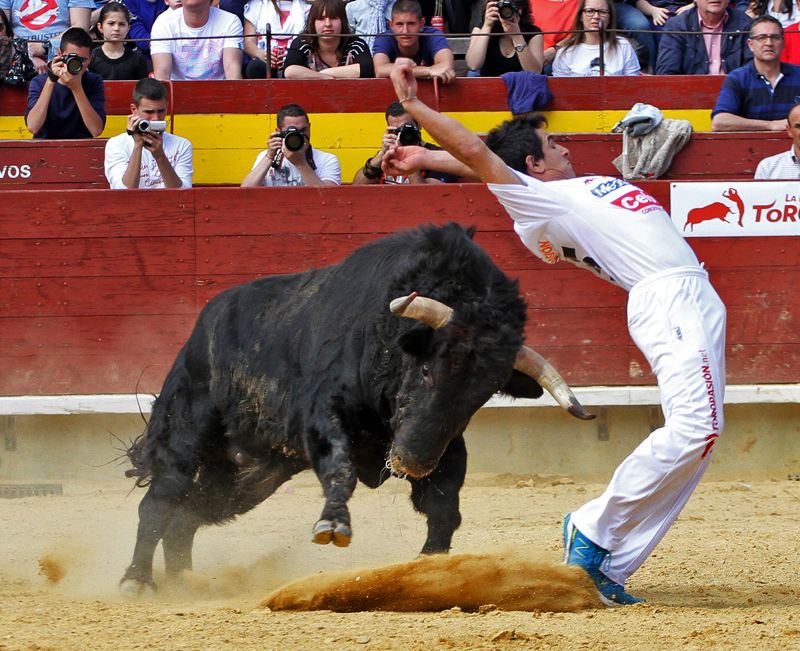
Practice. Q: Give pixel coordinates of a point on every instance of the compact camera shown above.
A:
(507, 9)
(151, 126)
(74, 63)
(408, 134)
(293, 138)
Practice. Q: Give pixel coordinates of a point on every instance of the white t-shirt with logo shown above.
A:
(583, 60)
(600, 223)
(195, 56)
(119, 150)
(328, 169)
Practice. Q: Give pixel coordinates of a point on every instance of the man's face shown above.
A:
(150, 109)
(712, 7)
(84, 52)
(793, 129)
(406, 29)
(396, 121)
(555, 163)
(766, 42)
(197, 5)
(301, 122)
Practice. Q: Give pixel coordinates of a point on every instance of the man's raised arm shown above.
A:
(464, 145)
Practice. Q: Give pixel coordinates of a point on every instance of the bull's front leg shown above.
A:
(330, 457)
(437, 497)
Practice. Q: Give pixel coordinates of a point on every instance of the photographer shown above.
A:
(401, 130)
(289, 158)
(146, 156)
(67, 101)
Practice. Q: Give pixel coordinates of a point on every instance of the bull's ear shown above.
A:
(471, 231)
(522, 386)
(417, 341)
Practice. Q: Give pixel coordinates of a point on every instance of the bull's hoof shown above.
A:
(137, 588)
(326, 531)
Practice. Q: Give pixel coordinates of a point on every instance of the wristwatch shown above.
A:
(370, 171)
(519, 47)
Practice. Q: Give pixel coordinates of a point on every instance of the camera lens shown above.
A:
(74, 64)
(144, 125)
(294, 139)
(409, 134)
(507, 10)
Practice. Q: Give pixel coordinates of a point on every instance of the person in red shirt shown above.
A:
(791, 44)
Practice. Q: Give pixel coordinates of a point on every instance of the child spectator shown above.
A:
(113, 59)
(505, 44)
(284, 19)
(579, 55)
(322, 53)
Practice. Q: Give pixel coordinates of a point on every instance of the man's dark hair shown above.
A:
(394, 109)
(792, 108)
(407, 7)
(76, 36)
(148, 88)
(765, 19)
(516, 139)
(290, 111)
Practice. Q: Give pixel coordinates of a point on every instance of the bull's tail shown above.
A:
(140, 468)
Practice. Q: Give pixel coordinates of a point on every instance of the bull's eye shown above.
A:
(426, 371)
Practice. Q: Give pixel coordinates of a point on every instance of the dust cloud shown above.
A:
(509, 580)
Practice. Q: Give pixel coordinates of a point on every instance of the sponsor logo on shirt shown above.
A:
(549, 253)
(636, 200)
(608, 186)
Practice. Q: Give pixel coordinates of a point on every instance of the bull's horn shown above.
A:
(428, 310)
(534, 365)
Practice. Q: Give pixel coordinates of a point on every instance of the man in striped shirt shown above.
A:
(787, 164)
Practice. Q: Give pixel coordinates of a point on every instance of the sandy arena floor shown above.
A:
(724, 578)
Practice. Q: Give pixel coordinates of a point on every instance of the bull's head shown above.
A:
(451, 389)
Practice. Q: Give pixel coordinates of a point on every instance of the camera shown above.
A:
(74, 63)
(152, 126)
(408, 134)
(293, 138)
(507, 9)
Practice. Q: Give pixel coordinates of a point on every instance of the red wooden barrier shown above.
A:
(99, 289)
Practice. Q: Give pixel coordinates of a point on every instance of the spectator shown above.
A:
(114, 59)
(369, 18)
(555, 18)
(787, 164)
(401, 129)
(324, 52)
(144, 14)
(62, 104)
(43, 23)
(633, 21)
(282, 164)
(188, 53)
(782, 10)
(711, 53)
(579, 55)
(501, 45)
(284, 19)
(758, 96)
(150, 159)
(430, 53)
(791, 44)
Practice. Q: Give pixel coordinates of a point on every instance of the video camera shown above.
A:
(507, 9)
(293, 138)
(74, 63)
(151, 126)
(408, 134)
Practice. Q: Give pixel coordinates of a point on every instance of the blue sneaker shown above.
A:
(580, 551)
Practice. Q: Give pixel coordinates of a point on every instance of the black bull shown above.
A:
(313, 369)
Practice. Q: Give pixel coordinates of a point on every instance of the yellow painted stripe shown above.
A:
(226, 145)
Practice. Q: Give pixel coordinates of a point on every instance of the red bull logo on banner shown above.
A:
(725, 209)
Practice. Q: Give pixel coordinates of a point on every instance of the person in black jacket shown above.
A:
(686, 54)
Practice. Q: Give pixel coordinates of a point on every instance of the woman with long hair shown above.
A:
(508, 41)
(284, 19)
(785, 11)
(579, 55)
(328, 49)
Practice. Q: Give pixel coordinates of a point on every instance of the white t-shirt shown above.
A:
(779, 166)
(196, 57)
(600, 223)
(119, 150)
(328, 169)
(577, 61)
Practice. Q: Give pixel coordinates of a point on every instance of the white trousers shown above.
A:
(678, 322)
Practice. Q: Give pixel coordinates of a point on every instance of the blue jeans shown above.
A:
(630, 19)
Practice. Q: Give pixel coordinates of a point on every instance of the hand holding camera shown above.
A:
(147, 132)
(66, 67)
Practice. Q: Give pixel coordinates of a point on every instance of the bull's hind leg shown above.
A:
(437, 497)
